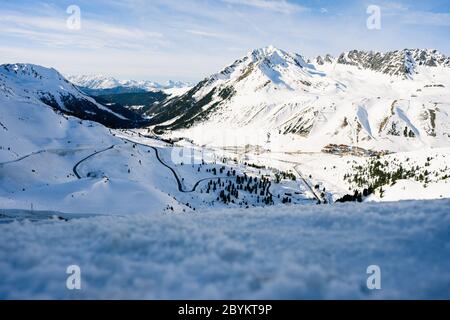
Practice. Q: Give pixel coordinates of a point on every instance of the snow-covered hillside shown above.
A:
(38, 85)
(51, 161)
(306, 252)
(42, 152)
(100, 84)
(395, 101)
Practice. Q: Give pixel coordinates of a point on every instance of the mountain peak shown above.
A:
(328, 58)
(19, 79)
(275, 56)
(263, 68)
(31, 71)
(429, 57)
(268, 51)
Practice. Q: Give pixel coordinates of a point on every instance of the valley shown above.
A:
(273, 128)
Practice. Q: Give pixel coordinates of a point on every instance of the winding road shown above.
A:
(158, 157)
(177, 178)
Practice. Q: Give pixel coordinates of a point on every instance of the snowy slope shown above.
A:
(39, 149)
(319, 252)
(35, 84)
(422, 174)
(396, 101)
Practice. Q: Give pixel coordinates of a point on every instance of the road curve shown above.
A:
(177, 178)
(180, 185)
(75, 167)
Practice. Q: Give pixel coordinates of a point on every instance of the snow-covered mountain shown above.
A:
(39, 85)
(263, 78)
(95, 84)
(395, 101)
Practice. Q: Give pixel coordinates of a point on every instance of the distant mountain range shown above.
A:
(101, 85)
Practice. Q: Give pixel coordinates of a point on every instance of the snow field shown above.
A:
(277, 253)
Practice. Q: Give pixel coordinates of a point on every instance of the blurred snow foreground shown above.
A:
(279, 252)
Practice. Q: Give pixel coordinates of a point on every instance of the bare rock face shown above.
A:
(395, 63)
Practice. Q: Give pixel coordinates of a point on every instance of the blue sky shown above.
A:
(190, 39)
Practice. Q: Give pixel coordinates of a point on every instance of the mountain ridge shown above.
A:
(397, 63)
(389, 101)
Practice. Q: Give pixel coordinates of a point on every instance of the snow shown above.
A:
(174, 92)
(138, 217)
(328, 170)
(104, 82)
(306, 107)
(409, 189)
(299, 252)
(363, 119)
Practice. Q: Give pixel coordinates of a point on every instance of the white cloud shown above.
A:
(53, 31)
(281, 6)
(202, 33)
